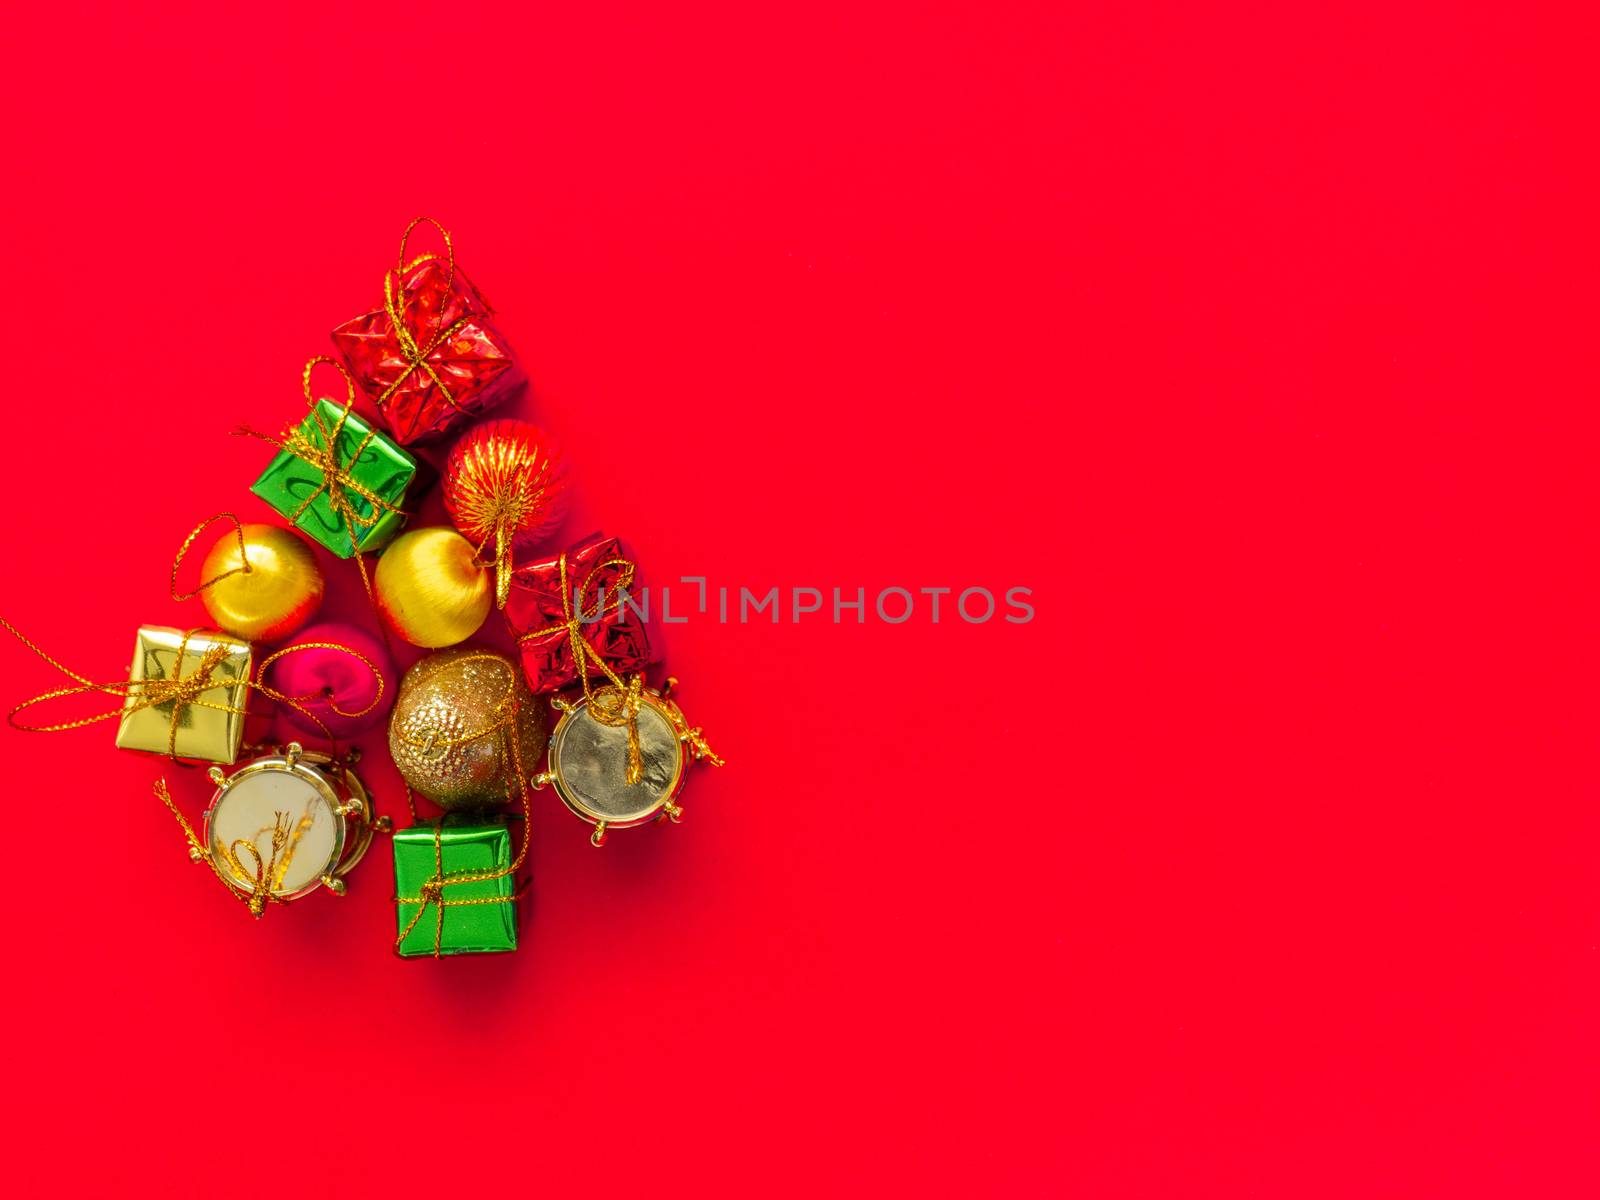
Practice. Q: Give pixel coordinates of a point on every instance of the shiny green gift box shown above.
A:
(299, 487)
(475, 917)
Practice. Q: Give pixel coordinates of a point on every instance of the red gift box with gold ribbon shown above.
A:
(586, 593)
(431, 358)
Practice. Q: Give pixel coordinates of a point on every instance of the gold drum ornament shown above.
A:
(589, 761)
(286, 824)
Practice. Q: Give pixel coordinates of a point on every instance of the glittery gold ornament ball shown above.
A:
(280, 592)
(444, 701)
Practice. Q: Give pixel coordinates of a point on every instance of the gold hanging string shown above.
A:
(340, 486)
(432, 892)
(501, 563)
(183, 691)
(197, 848)
(618, 704)
(416, 353)
(243, 568)
(692, 735)
(297, 701)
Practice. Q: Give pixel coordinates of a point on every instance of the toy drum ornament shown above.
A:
(284, 825)
(608, 782)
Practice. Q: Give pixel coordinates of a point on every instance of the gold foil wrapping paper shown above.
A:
(204, 722)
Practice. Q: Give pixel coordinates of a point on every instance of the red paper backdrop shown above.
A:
(1256, 340)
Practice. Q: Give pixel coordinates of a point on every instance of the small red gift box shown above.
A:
(598, 575)
(430, 358)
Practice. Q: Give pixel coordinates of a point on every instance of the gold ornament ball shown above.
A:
(444, 700)
(431, 588)
(280, 592)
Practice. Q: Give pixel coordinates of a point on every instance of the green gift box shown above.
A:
(364, 476)
(436, 916)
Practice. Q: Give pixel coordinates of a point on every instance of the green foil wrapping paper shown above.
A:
(207, 730)
(382, 467)
(465, 844)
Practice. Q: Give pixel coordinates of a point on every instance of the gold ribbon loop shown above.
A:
(449, 248)
(317, 360)
(243, 568)
(414, 352)
(263, 877)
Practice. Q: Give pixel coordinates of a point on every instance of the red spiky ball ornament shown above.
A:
(505, 487)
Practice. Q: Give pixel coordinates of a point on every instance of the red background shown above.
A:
(1256, 341)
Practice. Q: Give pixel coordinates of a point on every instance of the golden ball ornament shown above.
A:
(431, 588)
(452, 727)
(269, 591)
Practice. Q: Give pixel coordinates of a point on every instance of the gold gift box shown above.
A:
(210, 725)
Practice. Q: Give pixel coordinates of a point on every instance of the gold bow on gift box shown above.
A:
(416, 353)
(340, 486)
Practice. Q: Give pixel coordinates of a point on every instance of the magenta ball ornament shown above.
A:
(333, 685)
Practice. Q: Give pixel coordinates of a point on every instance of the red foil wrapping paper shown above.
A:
(537, 617)
(447, 364)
